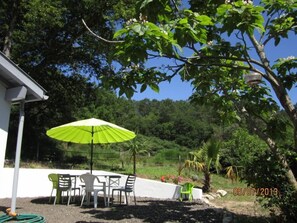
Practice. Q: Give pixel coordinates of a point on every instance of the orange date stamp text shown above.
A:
(250, 191)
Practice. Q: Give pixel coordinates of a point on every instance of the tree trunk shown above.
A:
(134, 163)
(273, 147)
(286, 103)
(37, 149)
(12, 14)
(206, 186)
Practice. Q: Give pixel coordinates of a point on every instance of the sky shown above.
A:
(178, 90)
(175, 90)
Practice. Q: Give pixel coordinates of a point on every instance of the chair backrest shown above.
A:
(89, 180)
(129, 186)
(187, 187)
(114, 181)
(64, 182)
(54, 177)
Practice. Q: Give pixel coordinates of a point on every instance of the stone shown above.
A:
(222, 193)
(208, 196)
(205, 200)
(213, 194)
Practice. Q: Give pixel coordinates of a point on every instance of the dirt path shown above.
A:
(243, 211)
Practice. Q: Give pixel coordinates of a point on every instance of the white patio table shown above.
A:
(113, 181)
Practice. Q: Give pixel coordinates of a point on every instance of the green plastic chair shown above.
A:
(54, 178)
(186, 190)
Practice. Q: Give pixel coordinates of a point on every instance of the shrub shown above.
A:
(266, 172)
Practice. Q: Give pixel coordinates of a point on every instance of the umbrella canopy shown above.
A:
(90, 131)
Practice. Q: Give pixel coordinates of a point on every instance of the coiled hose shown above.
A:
(28, 218)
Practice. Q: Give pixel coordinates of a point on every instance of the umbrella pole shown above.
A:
(17, 157)
(91, 164)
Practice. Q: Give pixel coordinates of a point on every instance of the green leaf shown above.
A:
(204, 20)
(129, 92)
(143, 88)
(168, 8)
(145, 3)
(120, 33)
(276, 41)
(222, 9)
(138, 29)
(183, 21)
(154, 87)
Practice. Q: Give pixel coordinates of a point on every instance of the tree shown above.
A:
(240, 148)
(204, 159)
(48, 40)
(214, 44)
(238, 151)
(136, 147)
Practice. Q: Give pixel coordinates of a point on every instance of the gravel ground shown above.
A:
(146, 210)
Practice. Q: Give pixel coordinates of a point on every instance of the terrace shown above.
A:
(35, 183)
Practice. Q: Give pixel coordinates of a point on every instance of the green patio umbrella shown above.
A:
(90, 131)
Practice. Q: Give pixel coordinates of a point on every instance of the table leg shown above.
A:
(108, 195)
(95, 198)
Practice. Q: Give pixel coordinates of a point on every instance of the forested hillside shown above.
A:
(179, 122)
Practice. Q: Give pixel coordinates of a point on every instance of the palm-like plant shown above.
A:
(136, 147)
(232, 173)
(203, 159)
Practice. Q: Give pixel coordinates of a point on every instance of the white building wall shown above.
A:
(4, 123)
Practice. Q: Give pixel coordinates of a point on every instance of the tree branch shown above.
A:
(276, 84)
(187, 60)
(175, 6)
(99, 37)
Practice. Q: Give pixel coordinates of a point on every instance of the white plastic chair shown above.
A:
(89, 188)
(127, 189)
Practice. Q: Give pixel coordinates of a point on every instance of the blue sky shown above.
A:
(178, 90)
(175, 90)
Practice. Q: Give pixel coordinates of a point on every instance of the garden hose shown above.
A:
(28, 218)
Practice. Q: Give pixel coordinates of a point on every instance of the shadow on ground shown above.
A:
(146, 210)
(160, 211)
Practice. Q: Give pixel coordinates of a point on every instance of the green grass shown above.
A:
(221, 182)
(153, 172)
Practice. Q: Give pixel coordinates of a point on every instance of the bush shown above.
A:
(260, 169)
(265, 171)
(241, 149)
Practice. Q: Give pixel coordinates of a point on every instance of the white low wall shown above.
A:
(35, 183)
